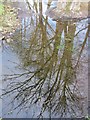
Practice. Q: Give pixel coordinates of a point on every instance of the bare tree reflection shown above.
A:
(51, 75)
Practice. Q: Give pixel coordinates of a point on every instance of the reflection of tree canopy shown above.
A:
(51, 75)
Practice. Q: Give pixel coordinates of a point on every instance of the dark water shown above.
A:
(45, 66)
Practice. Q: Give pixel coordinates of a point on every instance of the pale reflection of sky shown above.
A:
(0, 80)
(8, 55)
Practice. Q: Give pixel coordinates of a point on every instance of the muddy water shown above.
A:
(45, 67)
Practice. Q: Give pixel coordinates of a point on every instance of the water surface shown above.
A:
(45, 66)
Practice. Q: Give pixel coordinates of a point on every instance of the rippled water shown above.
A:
(45, 67)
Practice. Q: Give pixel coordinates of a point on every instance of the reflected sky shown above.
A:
(41, 67)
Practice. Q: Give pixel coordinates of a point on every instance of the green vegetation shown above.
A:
(1, 9)
(87, 118)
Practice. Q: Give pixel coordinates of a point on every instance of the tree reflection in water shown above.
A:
(50, 64)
